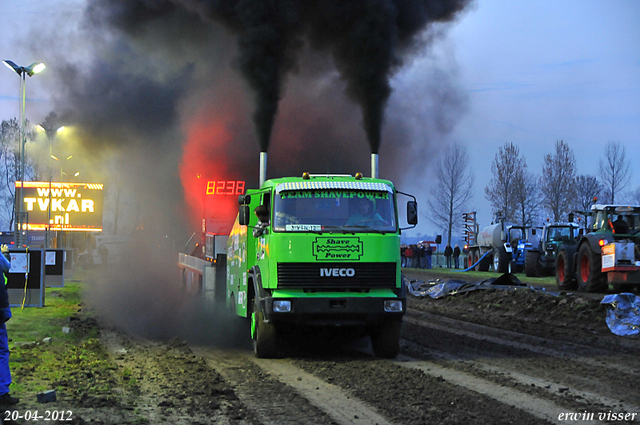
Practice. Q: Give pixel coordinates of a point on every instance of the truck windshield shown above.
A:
(334, 210)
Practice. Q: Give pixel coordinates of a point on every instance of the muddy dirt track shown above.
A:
(487, 357)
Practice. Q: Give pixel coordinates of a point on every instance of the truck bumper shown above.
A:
(343, 311)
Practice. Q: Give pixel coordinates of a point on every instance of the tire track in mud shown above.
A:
(277, 392)
(530, 343)
(351, 388)
(538, 407)
(576, 376)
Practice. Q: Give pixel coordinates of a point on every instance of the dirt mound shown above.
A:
(567, 316)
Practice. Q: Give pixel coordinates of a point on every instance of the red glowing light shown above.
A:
(205, 170)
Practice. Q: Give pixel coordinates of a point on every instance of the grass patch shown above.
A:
(75, 364)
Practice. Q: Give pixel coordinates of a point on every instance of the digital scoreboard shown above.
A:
(220, 205)
(225, 187)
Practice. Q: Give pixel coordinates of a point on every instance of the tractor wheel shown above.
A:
(531, 263)
(564, 272)
(385, 339)
(500, 260)
(590, 277)
(515, 267)
(265, 335)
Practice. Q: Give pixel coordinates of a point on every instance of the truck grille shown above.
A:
(336, 276)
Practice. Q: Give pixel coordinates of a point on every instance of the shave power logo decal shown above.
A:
(338, 248)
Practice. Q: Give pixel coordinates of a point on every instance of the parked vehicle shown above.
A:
(506, 244)
(609, 253)
(540, 259)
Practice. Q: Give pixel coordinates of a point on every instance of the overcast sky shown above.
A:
(531, 73)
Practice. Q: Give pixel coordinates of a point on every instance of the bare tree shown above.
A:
(526, 199)
(453, 188)
(558, 181)
(587, 188)
(9, 142)
(504, 169)
(615, 170)
(635, 196)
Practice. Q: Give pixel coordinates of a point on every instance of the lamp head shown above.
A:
(35, 68)
(11, 65)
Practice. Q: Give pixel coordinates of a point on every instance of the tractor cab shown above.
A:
(621, 222)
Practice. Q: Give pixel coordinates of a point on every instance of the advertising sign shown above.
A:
(63, 206)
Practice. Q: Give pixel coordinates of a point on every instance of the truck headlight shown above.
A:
(281, 306)
(393, 306)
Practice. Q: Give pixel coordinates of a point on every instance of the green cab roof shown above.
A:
(324, 182)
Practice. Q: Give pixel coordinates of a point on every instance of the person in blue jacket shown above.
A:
(5, 314)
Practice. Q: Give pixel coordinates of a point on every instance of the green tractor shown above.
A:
(540, 260)
(609, 253)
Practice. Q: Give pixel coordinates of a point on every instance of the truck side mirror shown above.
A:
(244, 215)
(412, 212)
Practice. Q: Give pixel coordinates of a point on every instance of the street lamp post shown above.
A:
(62, 173)
(50, 132)
(22, 72)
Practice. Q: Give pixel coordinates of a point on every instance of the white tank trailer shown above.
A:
(505, 244)
(492, 235)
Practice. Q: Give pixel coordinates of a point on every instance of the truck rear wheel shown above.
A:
(589, 273)
(564, 272)
(265, 336)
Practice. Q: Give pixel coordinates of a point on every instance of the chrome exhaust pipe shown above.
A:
(263, 168)
(374, 165)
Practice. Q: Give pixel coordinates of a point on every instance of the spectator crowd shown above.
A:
(419, 256)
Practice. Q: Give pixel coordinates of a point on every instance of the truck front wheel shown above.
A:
(385, 339)
(265, 336)
(590, 277)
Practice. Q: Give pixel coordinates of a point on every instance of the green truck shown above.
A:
(324, 252)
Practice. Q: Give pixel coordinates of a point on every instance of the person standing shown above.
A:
(5, 315)
(104, 255)
(456, 256)
(409, 254)
(416, 259)
(428, 254)
(421, 259)
(448, 251)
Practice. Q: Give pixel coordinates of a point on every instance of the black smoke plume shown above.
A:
(161, 74)
(366, 38)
